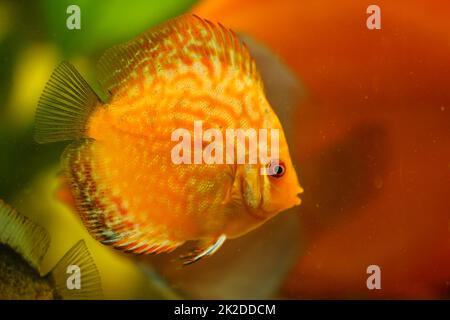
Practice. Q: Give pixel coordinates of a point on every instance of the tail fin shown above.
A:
(75, 276)
(65, 106)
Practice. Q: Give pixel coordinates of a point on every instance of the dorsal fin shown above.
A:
(22, 235)
(177, 43)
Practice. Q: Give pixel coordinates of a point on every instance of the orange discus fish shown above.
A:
(127, 189)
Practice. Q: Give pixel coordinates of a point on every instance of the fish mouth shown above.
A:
(262, 214)
(297, 199)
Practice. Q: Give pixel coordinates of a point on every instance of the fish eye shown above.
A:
(277, 170)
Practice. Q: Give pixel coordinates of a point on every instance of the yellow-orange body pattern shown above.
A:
(126, 188)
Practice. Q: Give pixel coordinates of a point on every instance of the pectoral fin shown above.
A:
(251, 186)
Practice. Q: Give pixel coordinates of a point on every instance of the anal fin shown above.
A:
(103, 213)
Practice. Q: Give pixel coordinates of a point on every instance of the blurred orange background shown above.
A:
(372, 140)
